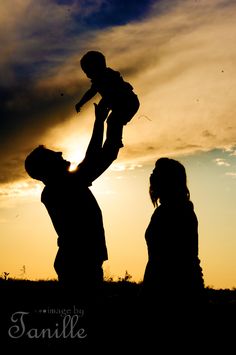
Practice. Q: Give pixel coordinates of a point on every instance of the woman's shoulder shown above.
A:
(159, 213)
(174, 209)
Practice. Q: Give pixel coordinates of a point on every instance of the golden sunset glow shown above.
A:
(180, 58)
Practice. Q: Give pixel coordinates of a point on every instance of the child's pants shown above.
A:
(122, 112)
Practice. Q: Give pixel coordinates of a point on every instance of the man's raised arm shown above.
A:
(98, 157)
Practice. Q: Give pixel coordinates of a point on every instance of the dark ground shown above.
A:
(117, 319)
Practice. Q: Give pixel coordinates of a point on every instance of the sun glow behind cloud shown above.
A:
(186, 83)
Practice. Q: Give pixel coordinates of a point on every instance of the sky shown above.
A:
(180, 58)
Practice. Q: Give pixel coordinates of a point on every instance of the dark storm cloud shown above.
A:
(26, 115)
(41, 36)
(177, 54)
(27, 112)
(118, 12)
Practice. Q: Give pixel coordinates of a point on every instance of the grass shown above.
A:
(117, 315)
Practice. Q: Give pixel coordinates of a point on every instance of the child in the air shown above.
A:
(117, 94)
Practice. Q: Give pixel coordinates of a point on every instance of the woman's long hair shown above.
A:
(168, 182)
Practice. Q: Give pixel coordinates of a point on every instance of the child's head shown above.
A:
(92, 63)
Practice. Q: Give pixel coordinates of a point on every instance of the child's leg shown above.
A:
(114, 129)
(121, 114)
(129, 108)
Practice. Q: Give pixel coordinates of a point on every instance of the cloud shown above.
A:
(42, 43)
(113, 12)
(221, 162)
(185, 78)
(233, 175)
(179, 57)
(14, 194)
(37, 36)
(21, 189)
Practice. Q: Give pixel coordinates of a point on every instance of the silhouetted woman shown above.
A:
(173, 275)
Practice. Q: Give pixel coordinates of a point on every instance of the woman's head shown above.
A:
(168, 182)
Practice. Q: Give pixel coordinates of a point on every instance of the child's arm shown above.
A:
(85, 98)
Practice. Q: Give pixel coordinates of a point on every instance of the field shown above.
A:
(38, 314)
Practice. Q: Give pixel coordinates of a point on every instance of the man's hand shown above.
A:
(101, 111)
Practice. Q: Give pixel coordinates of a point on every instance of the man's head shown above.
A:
(45, 164)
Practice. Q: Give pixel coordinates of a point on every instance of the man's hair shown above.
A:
(35, 163)
(93, 58)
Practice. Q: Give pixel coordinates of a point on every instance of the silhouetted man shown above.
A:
(73, 209)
